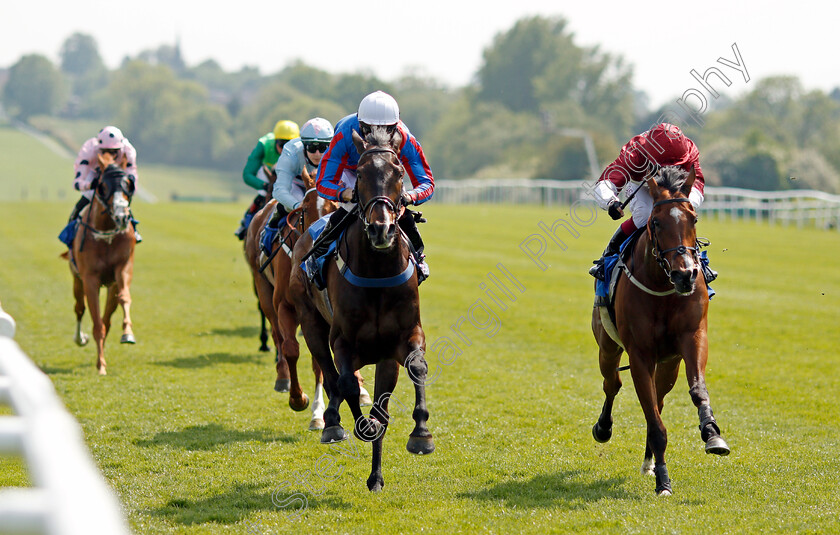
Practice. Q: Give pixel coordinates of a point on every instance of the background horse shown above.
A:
(271, 286)
(660, 316)
(375, 319)
(103, 255)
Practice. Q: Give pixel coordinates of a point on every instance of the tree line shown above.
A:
(533, 90)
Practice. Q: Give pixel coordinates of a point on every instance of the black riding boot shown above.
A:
(337, 222)
(84, 201)
(256, 206)
(408, 223)
(613, 248)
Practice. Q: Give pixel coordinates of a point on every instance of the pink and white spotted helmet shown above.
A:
(110, 137)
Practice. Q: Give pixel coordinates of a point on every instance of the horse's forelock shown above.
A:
(671, 178)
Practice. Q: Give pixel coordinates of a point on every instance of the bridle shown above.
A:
(389, 203)
(658, 253)
(106, 201)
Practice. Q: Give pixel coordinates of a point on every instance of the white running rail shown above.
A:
(791, 207)
(70, 496)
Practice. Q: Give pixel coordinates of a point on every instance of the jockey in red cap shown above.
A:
(662, 145)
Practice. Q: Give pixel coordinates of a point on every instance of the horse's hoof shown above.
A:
(264, 348)
(368, 429)
(301, 405)
(102, 371)
(717, 445)
(600, 434)
(375, 484)
(420, 445)
(665, 492)
(647, 467)
(333, 434)
(127, 339)
(82, 340)
(364, 398)
(282, 385)
(316, 424)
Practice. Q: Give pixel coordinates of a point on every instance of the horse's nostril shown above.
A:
(391, 229)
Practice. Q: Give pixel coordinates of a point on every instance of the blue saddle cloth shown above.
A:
(315, 230)
(69, 233)
(602, 287)
(268, 236)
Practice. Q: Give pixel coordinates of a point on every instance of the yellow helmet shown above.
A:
(286, 130)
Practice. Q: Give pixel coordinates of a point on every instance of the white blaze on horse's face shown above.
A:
(119, 208)
(676, 213)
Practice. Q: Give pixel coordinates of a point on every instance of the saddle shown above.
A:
(313, 265)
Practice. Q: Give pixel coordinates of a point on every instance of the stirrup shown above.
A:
(422, 269)
(709, 274)
(597, 270)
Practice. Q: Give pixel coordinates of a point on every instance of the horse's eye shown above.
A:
(655, 222)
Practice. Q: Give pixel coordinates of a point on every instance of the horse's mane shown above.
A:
(671, 178)
(380, 136)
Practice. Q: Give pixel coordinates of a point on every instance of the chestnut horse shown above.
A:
(661, 308)
(272, 284)
(103, 255)
(370, 310)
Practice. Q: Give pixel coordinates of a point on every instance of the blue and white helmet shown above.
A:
(317, 130)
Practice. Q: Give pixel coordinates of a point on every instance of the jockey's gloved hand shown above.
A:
(406, 199)
(615, 210)
(418, 217)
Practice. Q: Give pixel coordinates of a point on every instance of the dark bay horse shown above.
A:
(661, 309)
(272, 285)
(103, 255)
(370, 310)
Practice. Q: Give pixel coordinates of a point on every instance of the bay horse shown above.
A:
(103, 255)
(661, 309)
(271, 285)
(369, 312)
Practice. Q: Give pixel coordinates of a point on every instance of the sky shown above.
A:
(663, 41)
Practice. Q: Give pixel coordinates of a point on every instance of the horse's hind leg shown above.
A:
(665, 378)
(263, 331)
(79, 294)
(609, 358)
(695, 354)
(318, 405)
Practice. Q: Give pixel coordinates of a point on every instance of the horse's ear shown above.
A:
(359, 142)
(396, 141)
(102, 163)
(689, 182)
(307, 178)
(653, 186)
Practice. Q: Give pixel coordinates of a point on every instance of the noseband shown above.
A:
(658, 253)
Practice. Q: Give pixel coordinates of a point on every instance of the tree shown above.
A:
(34, 87)
(80, 55)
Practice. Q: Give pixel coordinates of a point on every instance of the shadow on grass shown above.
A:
(208, 436)
(242, 332)
(551, 490)
(237, 504)
(58, 370)
(203, 361)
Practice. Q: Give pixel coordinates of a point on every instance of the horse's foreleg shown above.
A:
(79, 294)
(124, 299)
(91, 285)
(657, 437)
(110, 307)
(609, 358)
(387, 373)
(316, 332)
(290, 349)
(420, 441)
(695, 354)
(348, 383)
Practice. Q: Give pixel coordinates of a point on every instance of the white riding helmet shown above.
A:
(379, 108)
(317, 130)
(110, 137)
